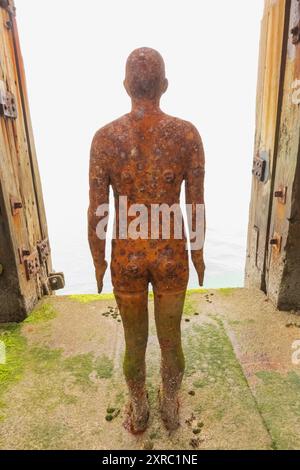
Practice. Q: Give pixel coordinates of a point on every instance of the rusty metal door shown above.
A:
(25, 261)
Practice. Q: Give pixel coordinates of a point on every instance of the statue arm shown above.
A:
(99, 197)
(195, 174)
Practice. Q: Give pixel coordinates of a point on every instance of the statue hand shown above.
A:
(199, 264)
(201, 272)
(100, 272)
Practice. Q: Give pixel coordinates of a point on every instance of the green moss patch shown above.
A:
(87, 299)
(104, 367)
(47, 367)
(43, 313)
(278, 397)
(190, 305)
(226, 291)
(13, 369)
(212, 370)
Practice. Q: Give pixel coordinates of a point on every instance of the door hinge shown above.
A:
(8, 106)
(259, 168)
(56, 281)
(9, 6)
(32, 265)
(44, 250)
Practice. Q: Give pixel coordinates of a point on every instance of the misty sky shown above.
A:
(75, 54)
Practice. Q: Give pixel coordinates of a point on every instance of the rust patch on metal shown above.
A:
(32, 265)
(295, 32)
(276, 242)
(44, 250)
(16, 205)
(281, 194)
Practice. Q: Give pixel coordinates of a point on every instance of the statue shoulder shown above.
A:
(187, 130)
(191, 132)
(109, 130)
(105, 137)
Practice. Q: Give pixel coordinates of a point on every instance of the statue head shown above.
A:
(145, 75)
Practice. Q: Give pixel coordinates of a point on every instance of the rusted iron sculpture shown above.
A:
(146, 155)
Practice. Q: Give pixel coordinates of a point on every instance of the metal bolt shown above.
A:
(295, 34)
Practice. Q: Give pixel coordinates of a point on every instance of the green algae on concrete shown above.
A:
(217, 378)
(47, 366)
(12, 370)
(89, 298)
(226, 290)
(61, 397)
(104, 367)
(190, 306)
(43, 313)
(278, 397)
(209, 351)
(45, 435)
(16, 345)
(83, 365)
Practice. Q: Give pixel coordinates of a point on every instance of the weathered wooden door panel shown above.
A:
(274, 228)
(25, 261)
(269, 91)
(283, 273)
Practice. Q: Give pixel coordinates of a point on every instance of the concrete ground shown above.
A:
(62, 386)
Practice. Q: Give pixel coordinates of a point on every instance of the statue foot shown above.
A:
(137, 417)
(169, 409)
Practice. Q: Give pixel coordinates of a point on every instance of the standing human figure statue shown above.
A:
(146, 155)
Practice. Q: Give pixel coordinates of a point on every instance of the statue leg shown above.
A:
(134, 312)
(168, 314)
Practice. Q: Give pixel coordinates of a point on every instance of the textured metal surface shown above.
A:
(16, 205)
(32, 265)
(295, 34)
(259, 168)
(56, 281)
(146, 156)
(281, 194)
(44, 250)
